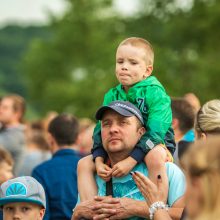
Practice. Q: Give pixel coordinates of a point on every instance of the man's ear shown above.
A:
(50, 139)
(175, 123)
(141, 131)
(148, 71)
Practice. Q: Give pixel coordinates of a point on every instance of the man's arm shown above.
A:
(90, 208)
(127, 208)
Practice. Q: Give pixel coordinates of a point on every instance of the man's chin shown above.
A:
(114, 148)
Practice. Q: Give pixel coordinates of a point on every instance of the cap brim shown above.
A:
(12, 200)
(119, 110)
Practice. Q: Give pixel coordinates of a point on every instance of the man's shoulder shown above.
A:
(44, 165)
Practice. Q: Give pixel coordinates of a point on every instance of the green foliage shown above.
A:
(14, 41)
(70, 64)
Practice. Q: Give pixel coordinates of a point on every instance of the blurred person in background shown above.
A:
(193, 101)
(12, 133)
(37, 149)
(85, 141)
(182, 122)
(208, 120)
(6, 169)
(59, 174)
(202, 164)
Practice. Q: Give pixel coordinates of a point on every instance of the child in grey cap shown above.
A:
(22, 198)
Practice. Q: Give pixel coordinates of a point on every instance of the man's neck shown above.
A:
(57, 148)
(117, 157)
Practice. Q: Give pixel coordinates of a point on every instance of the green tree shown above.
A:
(72, 71)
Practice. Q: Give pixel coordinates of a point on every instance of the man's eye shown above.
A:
(105, 124)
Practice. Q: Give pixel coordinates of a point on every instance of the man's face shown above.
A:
(131, 65)
(22, 211)
(6, 171)
(119, 133)
(7, 112)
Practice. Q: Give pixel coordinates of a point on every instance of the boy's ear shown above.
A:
(149, 70)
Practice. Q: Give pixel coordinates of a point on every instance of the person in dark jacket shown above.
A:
(59, 174)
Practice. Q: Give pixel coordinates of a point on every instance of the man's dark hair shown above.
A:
(184, 112)
(64, 128)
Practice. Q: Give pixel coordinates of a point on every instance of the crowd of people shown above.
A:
(148, 157)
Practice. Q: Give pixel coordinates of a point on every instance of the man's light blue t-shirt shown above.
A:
(126, 187)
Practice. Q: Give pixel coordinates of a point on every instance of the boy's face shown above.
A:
(131, 66)
(6, 171)
(22, 211)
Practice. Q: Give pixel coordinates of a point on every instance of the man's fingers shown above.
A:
(101, 216)
(107, 199)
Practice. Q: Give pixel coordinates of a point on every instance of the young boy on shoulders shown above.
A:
(134, 66)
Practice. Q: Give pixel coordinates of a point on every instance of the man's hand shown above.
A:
(105, 207)
(123, 167)
(84, 210)
(119, 208)
(102, 169)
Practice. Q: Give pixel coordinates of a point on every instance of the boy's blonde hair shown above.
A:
(6, 157)
(205, 165)
(141, 43)
(208, 118)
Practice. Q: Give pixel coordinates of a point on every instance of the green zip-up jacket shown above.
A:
(155, 105)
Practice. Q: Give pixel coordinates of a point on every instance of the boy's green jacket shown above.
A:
(155, 105)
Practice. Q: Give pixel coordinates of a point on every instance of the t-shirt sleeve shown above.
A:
(177, 183)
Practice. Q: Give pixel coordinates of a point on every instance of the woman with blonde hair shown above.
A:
(208, 120)
(201, 163)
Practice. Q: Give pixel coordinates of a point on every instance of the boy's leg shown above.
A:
(155, 161)
(86, 182)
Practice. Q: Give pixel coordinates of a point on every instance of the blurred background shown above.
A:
(60, 54)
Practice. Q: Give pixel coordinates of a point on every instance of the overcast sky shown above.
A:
(35, 11)
(28, 11)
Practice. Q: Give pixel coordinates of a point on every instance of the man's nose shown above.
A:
(114, 128)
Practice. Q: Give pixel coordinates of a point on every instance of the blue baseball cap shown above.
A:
(22, 189)
(124, 108)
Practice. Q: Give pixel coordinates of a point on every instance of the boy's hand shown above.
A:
(123, 167)
(103, 170)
